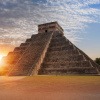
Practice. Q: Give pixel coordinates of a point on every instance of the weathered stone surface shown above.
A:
(50, 53)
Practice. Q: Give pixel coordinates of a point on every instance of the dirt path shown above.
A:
(50, 88)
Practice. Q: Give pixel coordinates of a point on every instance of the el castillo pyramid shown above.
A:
(49, 53)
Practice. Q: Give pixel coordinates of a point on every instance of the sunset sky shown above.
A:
(80, 20)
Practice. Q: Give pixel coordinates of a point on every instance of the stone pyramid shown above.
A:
(49, 53)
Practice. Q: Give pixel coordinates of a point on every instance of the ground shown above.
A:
(50, 88)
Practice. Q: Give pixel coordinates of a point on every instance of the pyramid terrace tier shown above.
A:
(69, 47)
(64, 58)
(93, 63)
(64, 52)
(24, 44)
(13, 57)
(67, 64)
(69, 71)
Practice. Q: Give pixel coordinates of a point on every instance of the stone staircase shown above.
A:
(31, 59)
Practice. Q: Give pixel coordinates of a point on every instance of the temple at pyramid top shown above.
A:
(50, 27)
(49, 53)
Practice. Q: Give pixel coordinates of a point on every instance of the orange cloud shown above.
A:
(5, 49)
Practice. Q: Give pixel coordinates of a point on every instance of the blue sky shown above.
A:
(80, 20)
(90, 43)
(97, 6)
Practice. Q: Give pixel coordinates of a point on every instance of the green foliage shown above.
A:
(97, 60)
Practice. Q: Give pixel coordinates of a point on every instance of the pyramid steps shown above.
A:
(62, 54)
(95, 65)
(67, 64)
(49, 53)
(12, 58)
(15, 55)
(24, 44)
(71, 71)
(32, 56)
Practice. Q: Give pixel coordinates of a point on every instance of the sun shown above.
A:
(1, 61)
(1, 56)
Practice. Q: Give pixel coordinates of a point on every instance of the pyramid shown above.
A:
(49, 53)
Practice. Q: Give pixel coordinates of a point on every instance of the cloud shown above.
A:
(19, 18)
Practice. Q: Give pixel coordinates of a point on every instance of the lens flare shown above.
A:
(1, 56)
(1, 61)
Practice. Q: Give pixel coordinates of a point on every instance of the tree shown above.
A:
(97, 60)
